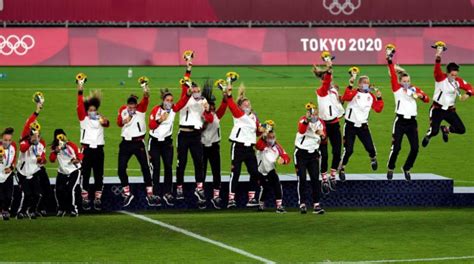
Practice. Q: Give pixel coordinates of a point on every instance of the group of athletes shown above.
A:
(252, 142)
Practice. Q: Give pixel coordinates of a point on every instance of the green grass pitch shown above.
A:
(340, 235)
(278, 93)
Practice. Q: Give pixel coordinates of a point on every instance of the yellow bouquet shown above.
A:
(354, 71)
(232, 76)
(81, 78)
(326, 56)
(390, 50)
(38, 97)
(439, 45)
(188, 55)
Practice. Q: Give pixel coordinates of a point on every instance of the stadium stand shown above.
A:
(227, 13)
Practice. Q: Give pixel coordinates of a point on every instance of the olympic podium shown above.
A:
(359, 190)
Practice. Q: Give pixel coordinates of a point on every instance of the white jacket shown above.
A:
(64, 158)
(306, 137)
(192, 114)
(27, 162)
(212, 132)
(8, 160)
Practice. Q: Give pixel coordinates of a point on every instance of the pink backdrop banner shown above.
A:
(224, 46)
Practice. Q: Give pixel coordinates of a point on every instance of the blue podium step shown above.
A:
(359, 190)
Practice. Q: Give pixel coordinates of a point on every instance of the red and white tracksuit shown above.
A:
(160, 143)
(330, 110)
(69, 175)
(243, 137)
(357, 118)
(444, 100)
(133, 144)
(267, 157)
(405, 120)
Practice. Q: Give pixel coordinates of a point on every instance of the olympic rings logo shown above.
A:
(117, 190)
(347, 7)
(14, 44)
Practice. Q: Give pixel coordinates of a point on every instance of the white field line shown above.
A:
(402, 260)
(462, 181)
(198, 237)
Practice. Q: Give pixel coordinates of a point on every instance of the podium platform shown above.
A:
(359, 190)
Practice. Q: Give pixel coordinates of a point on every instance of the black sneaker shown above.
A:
(325, 189)
(97, 204)
(179, 194)
(127, 199)
(407, 174)
(425, 141)
(342, 174)
(318, 210)
(169, 199)
(252, 203)
(20, 215)
(389, 175)
(445, 131)
(73, 214)
(5, 215)
(374, 164)
(202, 205)
(280, 210)
(32, 215)
(43, 213)
(261, 207)
(153, 200)
(199, 193)
(231, 204)
(86, 204)
(61, 213)
(303, 209)
(39, 213)
(332, 183)
(217, 202)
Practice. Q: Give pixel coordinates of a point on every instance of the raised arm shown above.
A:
(26, 127)
(183, 100)
(234, 108)
(439, 75)
(81, 109)
(221, 110)
(143, 105)
(393, 76)
(187, 74)
(326, 85)
(208, 116)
